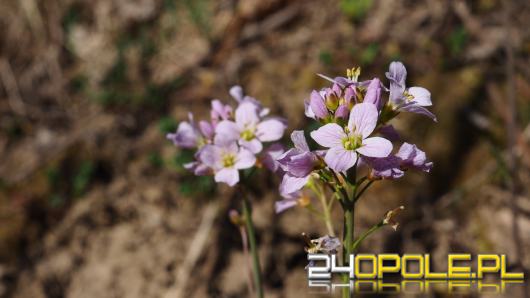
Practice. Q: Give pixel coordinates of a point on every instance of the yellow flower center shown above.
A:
(248, 134)
(352, 142)
(228, 160)
(408, 97)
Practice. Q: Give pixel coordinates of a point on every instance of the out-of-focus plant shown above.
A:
(228, 146)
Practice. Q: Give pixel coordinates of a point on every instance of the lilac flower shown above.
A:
(346, 143)
(393, 166)
(298, 163)
(249, 129)
(226, 160)
(188, 135)
(413, 99)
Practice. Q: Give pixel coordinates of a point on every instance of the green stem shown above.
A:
(358, 196)
(359, 240)
(321, 194)
(247, 213)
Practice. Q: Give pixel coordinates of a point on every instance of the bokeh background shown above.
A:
(94, 201)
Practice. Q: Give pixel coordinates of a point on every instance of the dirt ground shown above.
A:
(94, 202)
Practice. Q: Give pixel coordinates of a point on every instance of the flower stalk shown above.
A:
(256, 269)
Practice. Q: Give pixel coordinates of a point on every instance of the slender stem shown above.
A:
(247, 213)
(358, 196)
(319, 191)
(366, 234)
(244, 240)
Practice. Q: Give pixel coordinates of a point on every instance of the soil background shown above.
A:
(94, 201)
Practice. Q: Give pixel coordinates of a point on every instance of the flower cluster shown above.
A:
(355, 132)
(232, 140)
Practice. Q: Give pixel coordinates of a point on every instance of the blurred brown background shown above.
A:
(94, 202)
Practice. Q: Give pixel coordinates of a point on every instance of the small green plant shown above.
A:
(355, 9)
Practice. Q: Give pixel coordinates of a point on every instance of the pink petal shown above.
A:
(225, 132)
(363, 119)
(270, 130)
(291, 184)
(299, 140)
(375, 147)
(246, 115)
(253, 145)
(210, 155)
(229, 176)
(421, 95)
(340, 159)
(329, 135)
(245, 159)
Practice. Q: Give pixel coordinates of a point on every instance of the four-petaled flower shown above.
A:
(346, 143)
(413, 99)
(249, 129)
(226, 160)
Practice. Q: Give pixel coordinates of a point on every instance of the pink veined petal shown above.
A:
(363, 119)
(247, 115)
(329, 135)
(419, 110)
(245, 159)
(340, 159)
(229, 176)
(299, 140)
(291, 184)
(375, 147)
(270, 130)
(254, 145)
(225, 132)
(421, 95)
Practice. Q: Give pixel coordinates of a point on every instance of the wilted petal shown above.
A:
(419, 110)
(329, 135)
(375, 147)
(363, 119)
(270, 130)
(318, 106)
(254, 145)
(299, 140)
(340, 159)
(226, 131)
(421, 95)
(186, 136)
(328, 244)
(291, 184)
(244, 159)
(229, 176)
(246, 115)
